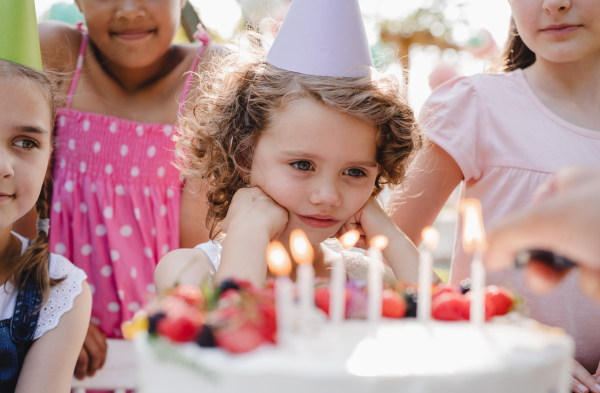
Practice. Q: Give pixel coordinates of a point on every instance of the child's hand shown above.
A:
(93, 353)
(582, 381)
(370, 221)
(401, 254)
(252, 221)
(251, 210)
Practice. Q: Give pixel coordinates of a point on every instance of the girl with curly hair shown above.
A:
(280, 150)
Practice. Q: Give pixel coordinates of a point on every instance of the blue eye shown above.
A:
(355, 172)
(302, 165)
(26, 144)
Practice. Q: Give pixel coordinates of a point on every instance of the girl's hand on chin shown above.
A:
(370, 221)
(251, 209)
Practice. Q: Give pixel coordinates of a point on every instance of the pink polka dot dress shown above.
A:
(115, 205)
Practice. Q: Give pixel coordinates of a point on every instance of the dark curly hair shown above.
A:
(239, 95)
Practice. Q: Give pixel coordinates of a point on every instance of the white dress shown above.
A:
(356, 262)
(60, 298)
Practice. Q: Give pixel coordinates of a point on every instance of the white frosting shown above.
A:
(398, 356)
(60, 298)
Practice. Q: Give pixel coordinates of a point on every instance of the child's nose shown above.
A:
(326, 193)
(130, 9)
(555, 6)
(6, 167)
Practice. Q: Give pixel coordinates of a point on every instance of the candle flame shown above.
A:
(302, 251)
(473, 231)
(431, 237)
(278, 259)
(350, 238)
(380, 242)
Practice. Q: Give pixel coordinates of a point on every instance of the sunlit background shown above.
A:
(458, 23)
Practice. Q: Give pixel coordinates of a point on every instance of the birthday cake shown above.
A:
(229, 346)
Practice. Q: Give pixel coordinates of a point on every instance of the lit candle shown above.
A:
(337, 282)
(430, 237)
(302, 252)
(474, 242)
(281, 266)
(375, 275)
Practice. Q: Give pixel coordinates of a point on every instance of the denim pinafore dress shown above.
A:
(16, 335)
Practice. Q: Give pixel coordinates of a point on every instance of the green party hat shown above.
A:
(19, 41)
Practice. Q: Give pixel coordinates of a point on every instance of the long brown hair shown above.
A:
(34, 262)
(515, 54)
(239, 95)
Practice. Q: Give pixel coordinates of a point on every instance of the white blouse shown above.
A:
(60, 298)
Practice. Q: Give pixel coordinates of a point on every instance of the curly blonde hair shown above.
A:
(239, 95)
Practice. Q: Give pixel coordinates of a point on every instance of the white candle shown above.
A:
(284, 303)
(337, 281)
(302, 252)
(305, 279)
(424, 294)
(477, 310)
(374, 279)
(337, 290)
(474, 242)
(280, 265)
(430, 238)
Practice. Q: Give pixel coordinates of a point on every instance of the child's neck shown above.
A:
(135, 79)
(10, 248)
(570, 90)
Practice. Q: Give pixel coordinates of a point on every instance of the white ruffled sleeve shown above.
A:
(61, 296)
(213, 250)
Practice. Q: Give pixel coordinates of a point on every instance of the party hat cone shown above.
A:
(322, 37)
(19, 41)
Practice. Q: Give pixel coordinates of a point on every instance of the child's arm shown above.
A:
(183, 266)
(431, 180)
(192, 216)
(252, 221)
(51, 359)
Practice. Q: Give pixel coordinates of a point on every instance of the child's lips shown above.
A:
(561, 29)
(132, 35)
(319, 221)
(4, 197)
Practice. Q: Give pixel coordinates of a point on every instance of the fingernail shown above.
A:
(597, 386)
(582, 388)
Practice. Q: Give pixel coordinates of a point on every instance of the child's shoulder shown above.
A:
(60, 43)
(60, 266)
(62, 295)
(182, 266)
(496, 82)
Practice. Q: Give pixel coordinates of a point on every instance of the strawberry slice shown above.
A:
(444, 288)
(392, 304)
(500, 297)
(181, 329)
(449, 306)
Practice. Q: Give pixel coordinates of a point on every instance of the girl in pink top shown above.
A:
(504, 134)
(117, 199)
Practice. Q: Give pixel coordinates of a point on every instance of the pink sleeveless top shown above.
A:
(115, 204)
